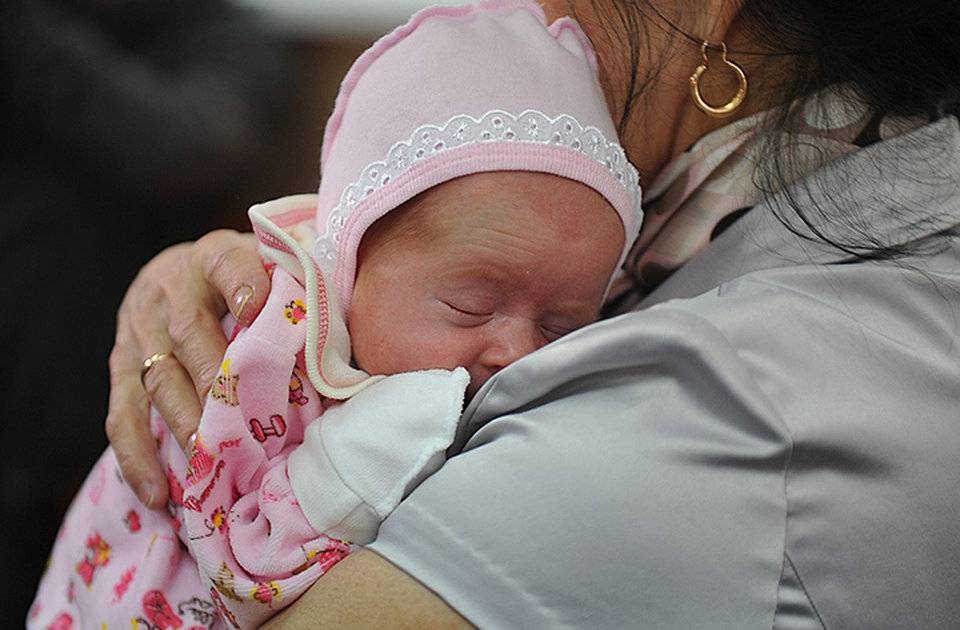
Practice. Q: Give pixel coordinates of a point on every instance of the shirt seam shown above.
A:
(803, 587)
(833, 308)
(786, 527)
(787, 460)
(493, 569)
(786, 465)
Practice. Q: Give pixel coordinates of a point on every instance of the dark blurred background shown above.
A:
(127, 126)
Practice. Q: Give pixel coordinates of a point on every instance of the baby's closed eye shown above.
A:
(468, 312)
(553, 331)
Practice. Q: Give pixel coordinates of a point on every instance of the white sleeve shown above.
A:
(363, 456)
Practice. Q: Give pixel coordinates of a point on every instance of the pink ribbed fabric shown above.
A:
(413, 110)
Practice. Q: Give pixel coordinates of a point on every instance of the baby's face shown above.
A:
(480, 271)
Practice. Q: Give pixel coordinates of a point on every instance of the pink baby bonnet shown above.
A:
(482, 87)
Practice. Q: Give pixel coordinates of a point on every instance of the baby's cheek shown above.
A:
(402, 350)
(373, 346)
(435, 347)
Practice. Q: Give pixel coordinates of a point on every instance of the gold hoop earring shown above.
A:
(733, 104)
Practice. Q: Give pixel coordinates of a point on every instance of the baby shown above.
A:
(473, 207)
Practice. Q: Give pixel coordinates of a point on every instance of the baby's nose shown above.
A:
(506, 345)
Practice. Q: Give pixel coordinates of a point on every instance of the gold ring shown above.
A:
(151, 361)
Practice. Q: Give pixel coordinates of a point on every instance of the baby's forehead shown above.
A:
(528, 197)
(473, 220)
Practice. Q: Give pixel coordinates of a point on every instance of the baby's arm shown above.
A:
(273, 495)
(365, 455)
(252, 544)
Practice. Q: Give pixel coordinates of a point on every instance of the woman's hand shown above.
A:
(174, 306)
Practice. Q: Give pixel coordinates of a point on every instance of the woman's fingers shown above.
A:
(222, 269)
(141, 331)
(127, 427)
(174, 306)
(196, 339)
(135, 448)
(172, 394)
(231, 264)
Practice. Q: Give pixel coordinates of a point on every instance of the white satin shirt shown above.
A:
(771, 440)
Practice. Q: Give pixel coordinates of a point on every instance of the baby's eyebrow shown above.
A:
(476, 275)
(484, 291)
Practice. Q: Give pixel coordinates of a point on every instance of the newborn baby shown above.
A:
(480, 271)
(473, 207)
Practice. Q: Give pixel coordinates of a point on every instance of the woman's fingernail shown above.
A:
(242, 297)
(191, 445)
(147, 492)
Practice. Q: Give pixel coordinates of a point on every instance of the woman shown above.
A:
(767, 436)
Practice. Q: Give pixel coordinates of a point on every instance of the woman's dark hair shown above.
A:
(900, 58)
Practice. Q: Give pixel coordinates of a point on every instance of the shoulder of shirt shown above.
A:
(776, 328)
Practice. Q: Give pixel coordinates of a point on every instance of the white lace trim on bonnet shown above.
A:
(531, 127)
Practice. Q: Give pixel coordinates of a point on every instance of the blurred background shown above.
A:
(127, 126)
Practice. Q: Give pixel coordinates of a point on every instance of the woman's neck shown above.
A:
(663, 120)
(669, 121)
